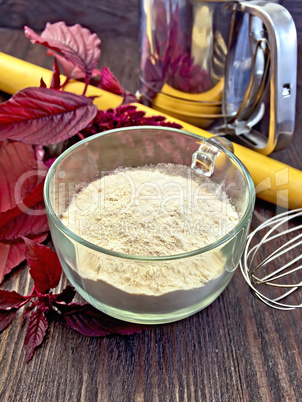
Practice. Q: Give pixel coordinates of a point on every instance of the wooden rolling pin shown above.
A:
(275, 181)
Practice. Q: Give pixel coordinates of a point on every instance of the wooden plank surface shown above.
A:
(236, 349)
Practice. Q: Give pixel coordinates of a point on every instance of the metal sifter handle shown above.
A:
(283, 74)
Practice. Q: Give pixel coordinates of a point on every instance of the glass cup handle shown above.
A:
(203, 160)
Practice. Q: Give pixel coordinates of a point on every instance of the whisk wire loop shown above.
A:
(252, 271)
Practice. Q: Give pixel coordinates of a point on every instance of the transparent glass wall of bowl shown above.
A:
(133, 147)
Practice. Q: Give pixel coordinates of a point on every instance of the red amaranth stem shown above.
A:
(65, 83)
(32, 294)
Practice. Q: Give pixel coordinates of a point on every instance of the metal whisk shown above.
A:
(267, 276)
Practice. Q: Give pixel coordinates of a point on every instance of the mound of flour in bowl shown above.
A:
(159, 210)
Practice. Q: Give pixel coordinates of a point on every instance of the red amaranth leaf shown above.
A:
(45, 267)
(89, 321)
(71, 71)
(42, 83)
(50, 161)
(32, 222)
(20, 173)
(109, 82)
(35, 197)
(10, 299)
(66, 296)
(13, 253)
(55, 82)
(35, 332)
(44, 116)
(6, 317)
(77, 44)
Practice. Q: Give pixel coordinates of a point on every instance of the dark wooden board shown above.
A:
(236, 349)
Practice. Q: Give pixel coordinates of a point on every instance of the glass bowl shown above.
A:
(101, 154)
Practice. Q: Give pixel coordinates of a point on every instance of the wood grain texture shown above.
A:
(118, 17)
(237, 349)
